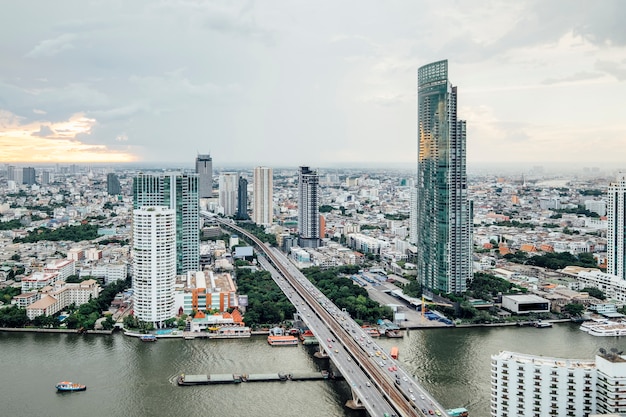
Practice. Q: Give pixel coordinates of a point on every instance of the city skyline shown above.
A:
(244, 80)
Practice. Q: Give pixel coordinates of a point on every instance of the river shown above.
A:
(126, 377)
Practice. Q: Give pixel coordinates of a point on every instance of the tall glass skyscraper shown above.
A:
(308, 208)
(176, 191)
(616, 230)
(444, 252)
(204, 169)
(242, 199)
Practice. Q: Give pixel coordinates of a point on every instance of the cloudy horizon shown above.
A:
(313, 83)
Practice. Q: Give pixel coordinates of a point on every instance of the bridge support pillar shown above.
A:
(321, 353)
(355, 403)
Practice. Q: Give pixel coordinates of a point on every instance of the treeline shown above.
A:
(267, 304)
(71, 233)
(11, 224)
(563, 259)
(259, 232)
(342, 291)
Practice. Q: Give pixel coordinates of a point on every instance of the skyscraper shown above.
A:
(262, 193)
(229, 181)
(28, 175)
(154, 263)
(242, 199)
(204, 169)
(443, 209)
(616, 230)
(308, 208)
(113, 184)
(179, 192)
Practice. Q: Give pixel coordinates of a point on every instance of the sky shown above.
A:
(319, 83)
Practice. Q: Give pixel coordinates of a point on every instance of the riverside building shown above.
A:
(154, 263)
(444, 255)
(179, 192)
(538, 386)
(616, 231)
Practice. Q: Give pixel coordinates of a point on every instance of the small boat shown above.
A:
(148, 338)
(69, 386)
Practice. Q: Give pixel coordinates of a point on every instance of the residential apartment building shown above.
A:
(616, 231)
(444, 245)
(262, 192)
(308, 208)
(204, 169)
(154, 263)
(60, 297)
(228, 187)
(113, 184)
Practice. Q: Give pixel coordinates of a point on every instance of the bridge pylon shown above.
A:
(355, 403)
(321, 353)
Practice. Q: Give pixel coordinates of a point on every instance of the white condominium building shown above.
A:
(538, 386)
(263, 196)
(616, 231)
(154, 263)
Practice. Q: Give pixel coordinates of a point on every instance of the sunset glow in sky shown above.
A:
(315, 83)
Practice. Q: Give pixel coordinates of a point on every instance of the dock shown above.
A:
(213, 379)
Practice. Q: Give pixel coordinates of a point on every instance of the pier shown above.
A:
(213, 379)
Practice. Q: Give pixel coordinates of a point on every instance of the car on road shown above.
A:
(438, 412)
(368, 384)
(422, 397)
(413, 397)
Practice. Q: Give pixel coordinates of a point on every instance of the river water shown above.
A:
(126, 377)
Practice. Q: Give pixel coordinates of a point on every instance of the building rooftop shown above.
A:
(545, 360)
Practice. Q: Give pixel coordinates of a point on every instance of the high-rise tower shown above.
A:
(308, 208)
(204, 169)
(242, 199)
(229, 182)
(443, 210)
(616, 230)
(262, 193)
(113, 184)
(154, 263)
(179, 192)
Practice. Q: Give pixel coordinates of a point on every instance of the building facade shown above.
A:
(242, 199)
(28, 176)
(263, 194)
(179, 192)
(616, 231)
(228, 184)
(308, 208)
(154, 263)
(113, 184)
(204, 169)
(444, 260)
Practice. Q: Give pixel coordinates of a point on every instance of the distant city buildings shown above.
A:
(616, 231)
(204, 169)
(228, 187)
(113, 184)
(179, 192)
(154, 263)
(444, 251)
(263, 194)
(308, 208)
(539, 386)
(242, 199)
(28, 176)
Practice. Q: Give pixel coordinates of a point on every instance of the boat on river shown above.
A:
(66, 386)
(148, 338)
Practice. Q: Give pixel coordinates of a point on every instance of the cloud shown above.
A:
(616, 69)
(579, 76)
(44, 131)
(39, 111)
(51, 47)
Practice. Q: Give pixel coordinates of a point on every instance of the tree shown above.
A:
(574, 310)
(594, 292)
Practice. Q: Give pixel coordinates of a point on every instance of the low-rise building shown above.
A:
(525, 304)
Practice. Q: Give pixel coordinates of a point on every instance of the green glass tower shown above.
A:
(178, 191)
(444, 260)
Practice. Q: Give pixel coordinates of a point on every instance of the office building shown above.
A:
(263, 194)
(444, 258)
(113, 184)
(242, 199)
(28, 175)
(154, 263)
(308, 208)
(179, 192)
(538, 386)
(616, 230)
(228, 184)
(204, 169)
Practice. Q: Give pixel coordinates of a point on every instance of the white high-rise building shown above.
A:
(537, 386)
(154, 263)
(308, 208)
(263, 196)
(229, 184)
(616, 231)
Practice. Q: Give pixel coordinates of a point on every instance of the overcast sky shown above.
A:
(308, 82)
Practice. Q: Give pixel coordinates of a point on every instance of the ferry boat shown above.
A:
(277, 337)
(148, 338)
(371, 331)
(66, 386)
(457, 412)
(542, 324)
(393, 333)
(604, 328)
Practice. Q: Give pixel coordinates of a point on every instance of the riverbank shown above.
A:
(515, 323)
(65, 331)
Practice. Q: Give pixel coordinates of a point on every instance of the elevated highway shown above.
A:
(378, 382)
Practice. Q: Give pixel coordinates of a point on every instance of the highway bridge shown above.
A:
(378, 382)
